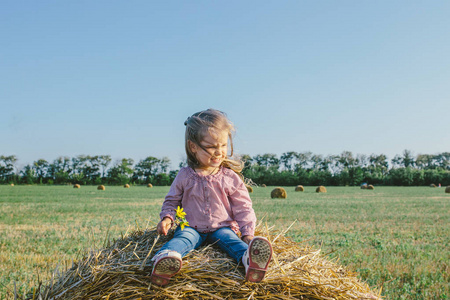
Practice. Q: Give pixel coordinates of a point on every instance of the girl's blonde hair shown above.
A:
(196, 127)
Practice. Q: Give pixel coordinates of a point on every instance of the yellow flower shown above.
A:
(180, 213)
(184, 223)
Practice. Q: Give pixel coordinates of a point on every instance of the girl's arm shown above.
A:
(171, 202)
(241, 205)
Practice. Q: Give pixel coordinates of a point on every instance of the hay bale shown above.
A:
(263, 185)
(149, 185)
(370, 187)
(127, 186)
(76, 186)
(447, 189)
(432, 185)
(249, 188)
(101, 187)
(121, 271)
(12, 184)
(278, 192)
(321, 189)
(299, 188)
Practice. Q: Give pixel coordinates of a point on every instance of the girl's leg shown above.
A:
(255, 256)
(167, 262)
(256, 259)
(229, 242)
(183, 241)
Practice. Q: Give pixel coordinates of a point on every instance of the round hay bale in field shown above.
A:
(150, 185)
(76, 186)
(432, 185)
(278, 192)
(370, 187)
(263, 185)
(101, 187)
(321, 189)
(299, 188)
(447, 189)
(12, 184)
(249, 188)
(127, 186)
(123, 269)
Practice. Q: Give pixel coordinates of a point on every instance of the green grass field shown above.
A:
(396, 238)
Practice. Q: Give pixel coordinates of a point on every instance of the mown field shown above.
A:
(396, 238)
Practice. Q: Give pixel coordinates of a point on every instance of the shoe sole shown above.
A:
(164, 269)
(260, 254)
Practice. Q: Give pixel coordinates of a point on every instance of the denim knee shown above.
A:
(228, 241)
(184, 241)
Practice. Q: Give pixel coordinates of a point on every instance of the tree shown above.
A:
(121, 172)
(90, 169)
(316, 160)
(104, 161)
(90, 166)
(332, 164)
(378, 163)
(425, 161)
(164, 164)
(377, 169)
(346, 160)
(401, 177)
(146, 169)
(28, 175)
(362, 160)
(41, 169)
(60, 170)
(303, 160)
(7, 166)
(287, 159)
(443, 160)
(267, 160)
(77, 175)
(407, 159)
(327, 163)
(396, 161)
(247, 171)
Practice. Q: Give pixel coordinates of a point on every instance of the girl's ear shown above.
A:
(193, 147)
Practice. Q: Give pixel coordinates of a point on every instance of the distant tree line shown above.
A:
(86, 169)
(306, 168)
(291, 168)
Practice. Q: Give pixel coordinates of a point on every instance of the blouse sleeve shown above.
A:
(241, 205)
(174, 197)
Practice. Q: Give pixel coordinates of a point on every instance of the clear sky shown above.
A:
(121, 77)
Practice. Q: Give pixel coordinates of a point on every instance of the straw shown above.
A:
(122, 271)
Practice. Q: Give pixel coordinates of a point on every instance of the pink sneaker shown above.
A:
(165, 266)
(256, 259)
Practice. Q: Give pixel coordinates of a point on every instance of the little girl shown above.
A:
(216, 202)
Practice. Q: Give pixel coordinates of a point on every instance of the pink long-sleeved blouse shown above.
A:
(211, 202)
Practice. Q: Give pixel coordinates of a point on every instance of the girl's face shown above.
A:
(212, 149)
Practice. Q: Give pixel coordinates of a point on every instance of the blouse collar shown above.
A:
(194, 174)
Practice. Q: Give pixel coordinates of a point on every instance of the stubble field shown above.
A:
(396, 238)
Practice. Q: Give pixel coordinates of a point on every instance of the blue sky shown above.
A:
(120, 77)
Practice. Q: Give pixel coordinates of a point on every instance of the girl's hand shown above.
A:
(247, 238)
(164, 226)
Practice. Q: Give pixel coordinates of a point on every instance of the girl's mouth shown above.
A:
(215, 159)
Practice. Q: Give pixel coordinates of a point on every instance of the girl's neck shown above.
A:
(206, 171)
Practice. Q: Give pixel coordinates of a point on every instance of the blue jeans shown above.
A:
(189, 239)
